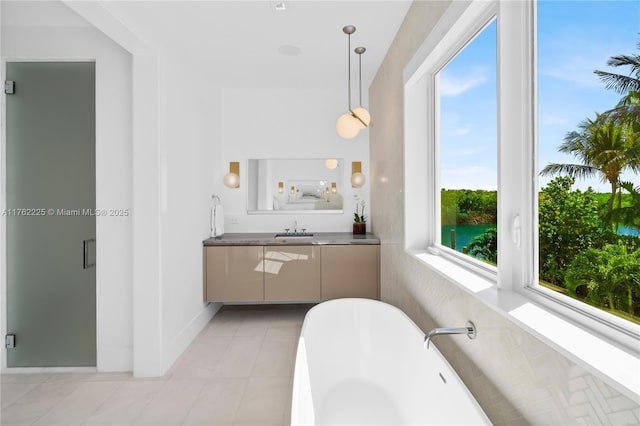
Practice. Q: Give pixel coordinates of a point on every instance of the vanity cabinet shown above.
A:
(350, 271)
(291, 273)
(234, 274)
(237, 269)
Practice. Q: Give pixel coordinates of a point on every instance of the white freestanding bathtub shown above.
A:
(362, 361)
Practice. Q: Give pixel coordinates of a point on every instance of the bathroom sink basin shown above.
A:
(292, 235)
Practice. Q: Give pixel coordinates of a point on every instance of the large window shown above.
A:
(562, 240)
(589, 155)
(468, 148)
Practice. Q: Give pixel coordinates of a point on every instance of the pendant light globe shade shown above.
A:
(347, 126)
(363, 115)
(357, 180)
(231, 180)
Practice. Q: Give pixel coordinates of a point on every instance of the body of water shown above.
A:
(464, 234)
(623, 230)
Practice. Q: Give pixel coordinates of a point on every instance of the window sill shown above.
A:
(573, 339)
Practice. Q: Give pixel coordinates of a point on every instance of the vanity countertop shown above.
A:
(268, 239)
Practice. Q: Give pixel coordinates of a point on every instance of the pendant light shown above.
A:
(361, 113)
(348, 125)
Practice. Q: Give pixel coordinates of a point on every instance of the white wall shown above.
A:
(175, 161)
(202, 128)
(113, 171)
(279, 123)
(516, 378)
(171, 116)
(188, 111)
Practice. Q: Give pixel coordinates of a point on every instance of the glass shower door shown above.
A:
(50, 178)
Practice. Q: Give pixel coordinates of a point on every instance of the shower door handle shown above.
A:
(86, 263)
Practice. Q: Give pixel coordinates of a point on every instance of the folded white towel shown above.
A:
(217, 220)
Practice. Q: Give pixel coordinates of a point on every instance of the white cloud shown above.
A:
(571, 58)
(577, 70)
(547, 118)
(453, 86)
(474, 177)
(467, 152)
(461, 131)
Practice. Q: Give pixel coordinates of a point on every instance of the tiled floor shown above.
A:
(238, 371)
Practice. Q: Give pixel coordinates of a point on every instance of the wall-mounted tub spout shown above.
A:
(469, 330)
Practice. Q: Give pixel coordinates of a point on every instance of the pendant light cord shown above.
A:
(349, 67)
(360, 75)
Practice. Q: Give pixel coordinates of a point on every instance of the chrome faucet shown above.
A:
(469, 330)
(295, 226)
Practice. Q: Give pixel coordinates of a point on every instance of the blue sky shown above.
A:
(574, 39)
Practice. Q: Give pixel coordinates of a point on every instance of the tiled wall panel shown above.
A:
(516, 378)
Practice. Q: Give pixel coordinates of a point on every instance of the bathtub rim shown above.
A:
(363, 301)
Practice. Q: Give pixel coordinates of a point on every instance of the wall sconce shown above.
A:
(232, 179)
(293, 190)
(357, 178)
(331, 163)
(334, 188)
(280, 187)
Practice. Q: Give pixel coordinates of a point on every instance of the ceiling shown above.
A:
(250, 43)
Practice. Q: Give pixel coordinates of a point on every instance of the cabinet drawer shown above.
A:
(350, 271)
(291, 273)
(234, 274)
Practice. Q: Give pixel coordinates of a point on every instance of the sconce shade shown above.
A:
(334, 188)
(232, 179)
(280, 187)
(357, 178)
(347, 126)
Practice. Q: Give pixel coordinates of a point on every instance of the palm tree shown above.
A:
(629, 215)
(601, 145)
(627, 112)
(623, 84)
(485, 246)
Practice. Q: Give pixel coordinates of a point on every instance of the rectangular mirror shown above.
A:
(295, 186)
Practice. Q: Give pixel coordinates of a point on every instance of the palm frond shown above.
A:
(622, 60)
(629, 215)
(625, 113)
(579, 171)
(633, 157)
(574, 142)
(626, 215)
(631, 99)
(634, 191)
(619, 83)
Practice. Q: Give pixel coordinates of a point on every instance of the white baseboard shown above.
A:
(114, 359)
(181, 342)
(33, 370)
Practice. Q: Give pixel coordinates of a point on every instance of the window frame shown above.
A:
(516, 277)
(485, 19)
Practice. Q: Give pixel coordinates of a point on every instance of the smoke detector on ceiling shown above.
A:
(279, 5)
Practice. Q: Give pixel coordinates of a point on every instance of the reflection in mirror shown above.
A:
(295, 185)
